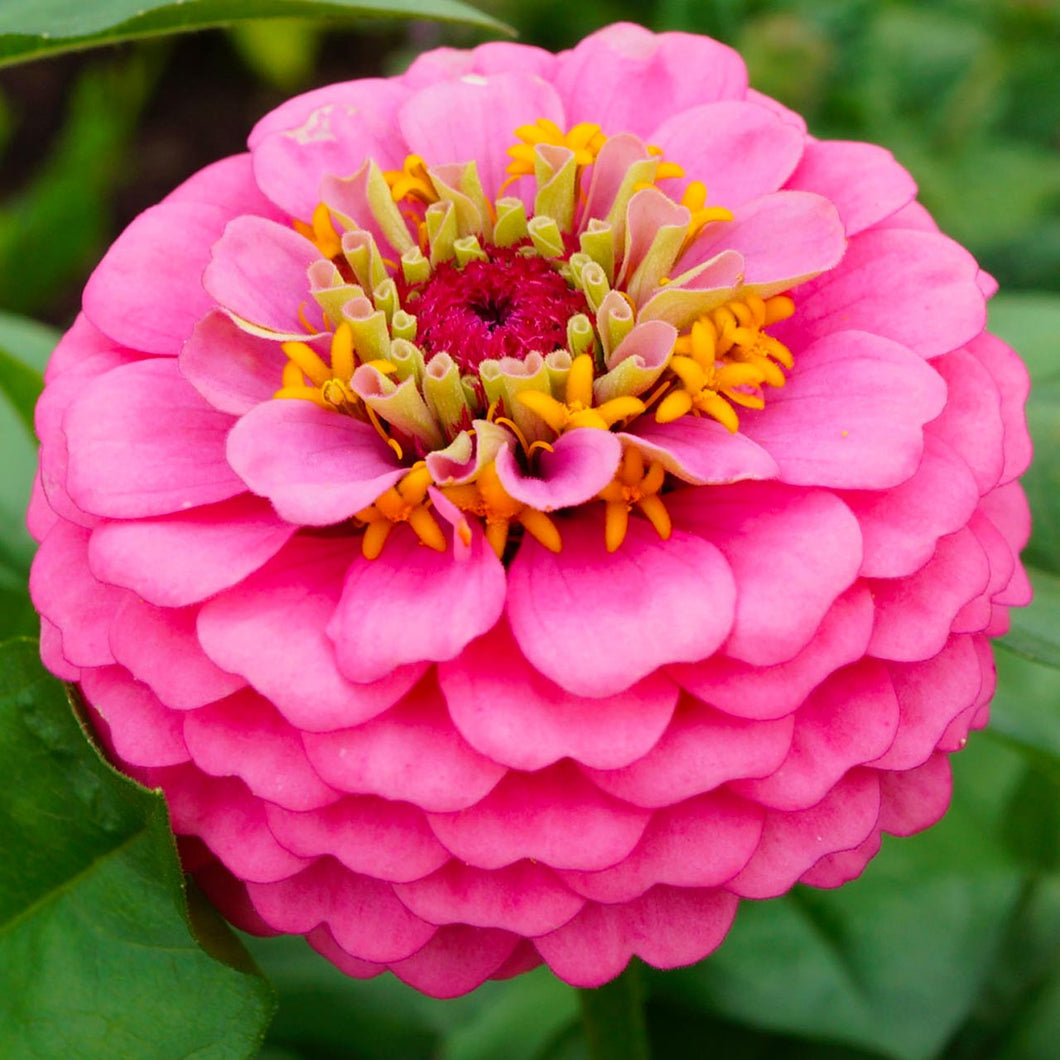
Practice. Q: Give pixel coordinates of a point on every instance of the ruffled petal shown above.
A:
(432, 604)
(491, 108)
(289, 603)
(146, 640)
(791, 553)
(597, 622)
(142, 730)
(852, 414)
(793, 841)
(364, 916)
(360, 831)
(582, 462)
(700, 842)
(739, 150)
(147, 292)
(181, 559)
(142, 442)
(762, 693)
(850, 719)
(457, 959)
(244, 736)
(258, 272)
(864, 181)
(525, 897)
(626, 79)
(917, 288)
(700, 750)
(387, 755)
(555, 816)
(668, 927)
(232, 370)
(541, 722)
(316, 467)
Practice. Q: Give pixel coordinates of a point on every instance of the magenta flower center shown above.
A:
(506, 306)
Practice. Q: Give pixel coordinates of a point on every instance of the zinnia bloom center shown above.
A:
(508, 305)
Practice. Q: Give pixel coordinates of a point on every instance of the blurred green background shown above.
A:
(949, 947)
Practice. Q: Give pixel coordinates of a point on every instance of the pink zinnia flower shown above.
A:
(502, 550)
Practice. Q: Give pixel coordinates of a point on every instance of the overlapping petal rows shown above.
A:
(455, 768)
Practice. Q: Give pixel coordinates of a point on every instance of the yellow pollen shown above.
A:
(407, 502)
(694, 200)
(322, 232)
(412, 181)
(585, 140)
(306, 376)
(725, 360)
(578, 409)
(634, 485)
(488, 499)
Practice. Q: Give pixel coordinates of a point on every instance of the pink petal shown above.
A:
(851, 415)
(143, 730)
(181, 559)
(67, 594)
(365, 918)
(747, 691)
(51, 652)
(457, 959)
(626, 79)
(917, 288)
(386, 756)
(930, 695)
(597, 622)
(740, 150)
(977, 614)
(433, 602)
(971, 422)
(793, 841)
(791, 552)
(493, 57)
(331, 130)
(525, 897)
(900, 527)
(914, 615)
(701, 450)
(317, 467)
(555, 816)
(230, 185)
(258, 272)
(701, 749)
(582, 463)
(1013, 383)
(833, 870)
(864, 181)
(850, 719)
(142, 442)
(147, 292)
(232, 370)
(373, 836)
(244, 736)
(289, 602)
(322, 940)
(813, 240)
(490, 107)
(148, 641)
(541, 722)
(915, 799)
(668, 927)
(700, 842)
(231, 821)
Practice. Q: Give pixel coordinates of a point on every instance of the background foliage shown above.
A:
(948, 948)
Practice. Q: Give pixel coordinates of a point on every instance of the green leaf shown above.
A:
(894, 961)
(33, 28)
(97, 955)
(1035, 632)
(1029, 321)
(1026, 707)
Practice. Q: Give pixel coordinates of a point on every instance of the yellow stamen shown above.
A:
(407, 502)
(584, 140)
(634, 486)
(321, 231)
(412, 181)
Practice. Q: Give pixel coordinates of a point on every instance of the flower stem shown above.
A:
(613, 1019)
